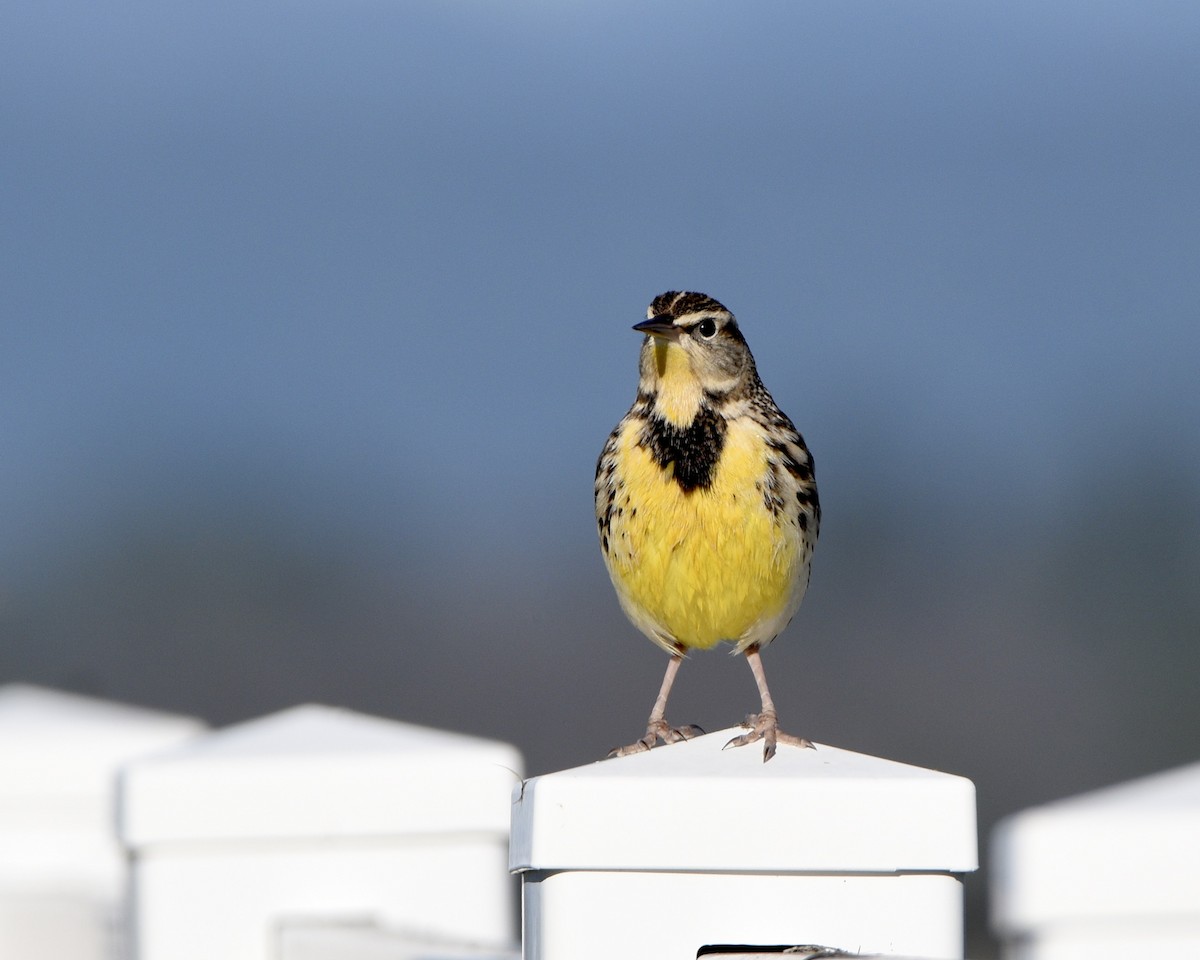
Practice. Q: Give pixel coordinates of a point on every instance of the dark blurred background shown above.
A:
(314, 317)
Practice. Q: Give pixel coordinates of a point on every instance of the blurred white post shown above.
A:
(317, 816)
(1115, 872)
(61, 869)
(687, 846)
(368, 941)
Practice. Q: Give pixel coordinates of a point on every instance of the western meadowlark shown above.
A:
(706, 504)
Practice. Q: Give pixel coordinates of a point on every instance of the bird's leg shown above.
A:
(657, 727)
(764, 725)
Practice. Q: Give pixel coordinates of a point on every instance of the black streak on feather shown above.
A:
(694, 450)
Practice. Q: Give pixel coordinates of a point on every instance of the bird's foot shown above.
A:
(765, 727)
(655, 731)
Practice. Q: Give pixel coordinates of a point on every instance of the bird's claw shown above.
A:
(658, 730)
(765, 727)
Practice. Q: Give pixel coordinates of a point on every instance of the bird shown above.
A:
(706, 506)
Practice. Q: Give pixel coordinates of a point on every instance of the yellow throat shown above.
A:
(679, 390)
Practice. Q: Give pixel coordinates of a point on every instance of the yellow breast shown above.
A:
(707, 566)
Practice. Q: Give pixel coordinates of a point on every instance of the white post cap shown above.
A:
(59, 755)
(693, 806)
(318, 771)
(1125, 853)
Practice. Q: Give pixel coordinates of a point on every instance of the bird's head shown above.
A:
(693, 349)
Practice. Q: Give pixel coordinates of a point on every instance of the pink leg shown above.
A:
(657, 727)
(764, 725)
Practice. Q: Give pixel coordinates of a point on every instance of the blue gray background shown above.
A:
(314, 317)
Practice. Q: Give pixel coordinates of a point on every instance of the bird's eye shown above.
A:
(707, 328)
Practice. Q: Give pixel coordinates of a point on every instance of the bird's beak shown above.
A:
(660, 327)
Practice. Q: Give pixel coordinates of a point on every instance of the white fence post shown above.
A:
(1115, 872)
(317, 815)
(663, 853)
(61, 869)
